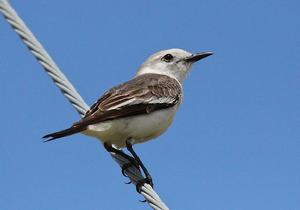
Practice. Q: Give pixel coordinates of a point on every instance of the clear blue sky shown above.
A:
(235, 143)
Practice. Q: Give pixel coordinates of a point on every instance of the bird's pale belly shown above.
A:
(139, 128)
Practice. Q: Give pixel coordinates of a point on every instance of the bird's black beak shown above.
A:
(198, 56)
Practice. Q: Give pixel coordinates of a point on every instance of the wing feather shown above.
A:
(142, 95)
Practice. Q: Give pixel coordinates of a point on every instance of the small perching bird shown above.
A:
(140, 109)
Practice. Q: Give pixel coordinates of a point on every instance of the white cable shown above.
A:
(71, 94)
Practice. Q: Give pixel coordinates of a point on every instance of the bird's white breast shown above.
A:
(139, 128)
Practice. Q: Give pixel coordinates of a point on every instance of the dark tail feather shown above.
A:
(63, 133)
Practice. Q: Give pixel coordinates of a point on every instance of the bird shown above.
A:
(140, 109)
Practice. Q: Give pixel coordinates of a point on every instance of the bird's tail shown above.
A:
(67, 132)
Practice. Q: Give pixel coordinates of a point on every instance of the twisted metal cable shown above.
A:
(72, 95)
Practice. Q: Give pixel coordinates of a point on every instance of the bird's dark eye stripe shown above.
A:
(167, 57)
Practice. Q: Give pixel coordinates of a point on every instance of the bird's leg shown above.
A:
(148, 178)
(132, 161)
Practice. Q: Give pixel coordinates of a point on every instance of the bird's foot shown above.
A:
(132, 162)
(148, 178)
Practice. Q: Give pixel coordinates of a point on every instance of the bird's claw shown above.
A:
(143, 201)
(124, 167)
(129, 182)
(128, 165)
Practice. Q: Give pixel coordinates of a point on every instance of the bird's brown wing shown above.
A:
(141, 95)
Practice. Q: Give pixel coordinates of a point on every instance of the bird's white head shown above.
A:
(175, 63)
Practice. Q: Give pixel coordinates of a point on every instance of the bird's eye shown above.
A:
(167, 58)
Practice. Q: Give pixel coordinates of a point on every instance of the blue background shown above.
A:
(234, 144)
